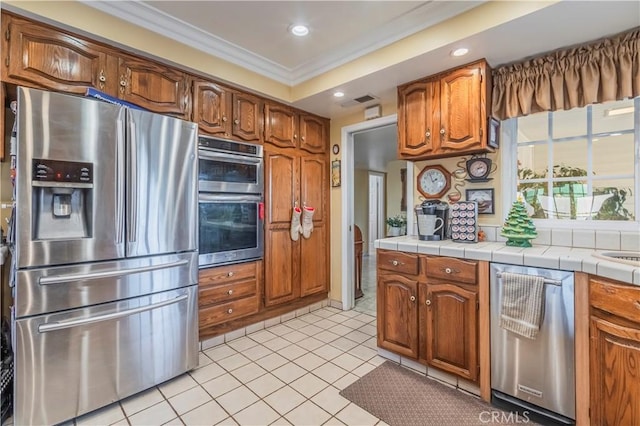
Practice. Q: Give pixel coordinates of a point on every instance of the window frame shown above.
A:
(509, 177)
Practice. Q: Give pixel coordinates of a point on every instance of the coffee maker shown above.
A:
(441, 210)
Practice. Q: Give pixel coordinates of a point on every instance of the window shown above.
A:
(577, 165)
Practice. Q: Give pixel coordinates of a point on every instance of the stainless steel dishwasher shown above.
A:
(535, 375)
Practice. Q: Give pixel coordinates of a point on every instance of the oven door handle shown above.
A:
(213, 198)
(228, 158)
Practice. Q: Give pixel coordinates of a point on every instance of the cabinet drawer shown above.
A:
(224, 312)
(452, 269)
(228, 273)
(618, 299)
(210, 294)
(406, 263)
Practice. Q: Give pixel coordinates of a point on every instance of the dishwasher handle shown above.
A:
(546, 280)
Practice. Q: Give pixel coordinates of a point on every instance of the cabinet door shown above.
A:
(615, 373)
(38, 56)
(313, 134)
(211, 108)
(417, 119)
(314, 251)
(282, 267)
(462, 110)
(398, 314)
(155, 87)
(246, 117)
(280, 126)
(451, 329)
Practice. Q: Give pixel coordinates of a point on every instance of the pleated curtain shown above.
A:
(600, 71)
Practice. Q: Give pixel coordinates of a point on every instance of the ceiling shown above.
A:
(253, 34)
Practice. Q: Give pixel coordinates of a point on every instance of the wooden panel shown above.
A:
(418, 116)
(618, 299)
(155, 87)
(615, 373)
(280, 126)
(314, 185)
(484, 331)
(223, 312)
(397, 314)
(452, 269)
(452, 330)
(282, 267)
(247, 117)
(313, 262)
(314, 133)
(280, 187)
(228, 273)
(211, 108)
(405, 263)
(581, 315)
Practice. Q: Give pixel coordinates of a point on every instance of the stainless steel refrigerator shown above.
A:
(105, 295)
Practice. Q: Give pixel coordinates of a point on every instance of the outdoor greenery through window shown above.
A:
(580, 164)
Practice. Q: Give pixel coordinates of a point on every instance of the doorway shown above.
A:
(376, 209)
(347, 201)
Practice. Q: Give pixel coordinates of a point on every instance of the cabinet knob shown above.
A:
(448, 270)
(295, 136)
(236, 121)
(427, 302)
(224, 118)
(394, 263)
(230, 274)
(102, 78)
(230, 292)
(412, 298)
(123, 83)
(442, 132)
(428, 134)
(302, 138)
(230, 311)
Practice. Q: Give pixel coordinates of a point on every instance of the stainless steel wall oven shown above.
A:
(231, 201)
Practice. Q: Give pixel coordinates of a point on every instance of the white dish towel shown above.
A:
(522, 304)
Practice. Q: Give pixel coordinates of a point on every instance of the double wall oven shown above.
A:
(231, 201)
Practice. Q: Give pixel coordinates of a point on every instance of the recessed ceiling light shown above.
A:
(299, 30)
(338, 94)
(460, 51)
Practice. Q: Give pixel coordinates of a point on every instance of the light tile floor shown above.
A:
(367, 303)
(282, 375)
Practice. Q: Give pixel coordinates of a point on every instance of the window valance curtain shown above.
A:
(600, 71)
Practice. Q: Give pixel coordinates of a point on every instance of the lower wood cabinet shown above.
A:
(428, 310)
(228, 292)
(614, 353)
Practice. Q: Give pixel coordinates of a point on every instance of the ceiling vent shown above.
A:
(360, 100)
(365, 98)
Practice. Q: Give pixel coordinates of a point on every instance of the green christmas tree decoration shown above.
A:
(518, 229)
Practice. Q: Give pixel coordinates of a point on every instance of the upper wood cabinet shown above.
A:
(155, 87)
(286, 127)
(35, 55)
(247, 117)
(444, 115)
(212, 108)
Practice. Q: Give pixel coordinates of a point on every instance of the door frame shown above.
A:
(380, 207)
(347, 218)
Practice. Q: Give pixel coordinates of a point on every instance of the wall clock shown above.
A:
(434, 181)
(478, 169)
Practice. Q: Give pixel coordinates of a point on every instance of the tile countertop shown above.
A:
(552, 257)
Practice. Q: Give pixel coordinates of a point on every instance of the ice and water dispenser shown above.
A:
(62, 193)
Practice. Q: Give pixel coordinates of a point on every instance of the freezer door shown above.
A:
(162, 172)
(73, 362)
(39, 291)
(63, 217)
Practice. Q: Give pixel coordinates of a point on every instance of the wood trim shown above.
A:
(484, 330)
(581, 324)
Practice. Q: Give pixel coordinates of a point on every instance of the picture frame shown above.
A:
(484, 197)
(335, 174)
(493, 136)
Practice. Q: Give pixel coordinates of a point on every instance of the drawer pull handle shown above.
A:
(230, 274)
(448, 270)
(427, 302)
(230, 311)
(412, 298)
(394, 263)
(230, 292)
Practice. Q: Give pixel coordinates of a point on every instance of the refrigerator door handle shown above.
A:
(60, 325)
(119, 204)
(58, 279)
(133, 182)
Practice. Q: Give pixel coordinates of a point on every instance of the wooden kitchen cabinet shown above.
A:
(155, 87)
(295, 268)
(285, 127)
(212, 108)
(36, 55)
(445, 115)
(228, 292)
(614, 352)
(247, 117)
